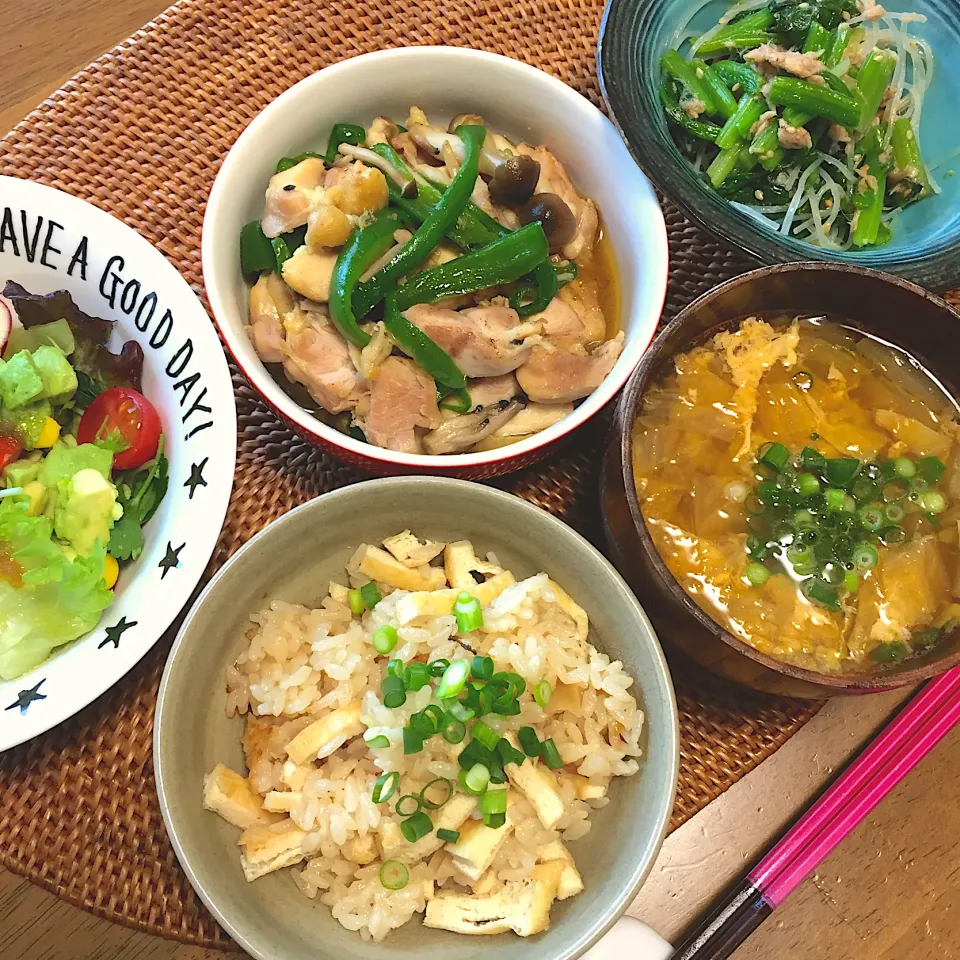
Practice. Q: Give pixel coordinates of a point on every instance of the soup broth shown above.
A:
(802, 483)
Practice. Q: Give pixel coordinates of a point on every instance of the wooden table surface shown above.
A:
(890, 892)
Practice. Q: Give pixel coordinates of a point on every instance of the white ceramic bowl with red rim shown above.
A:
(518, 100)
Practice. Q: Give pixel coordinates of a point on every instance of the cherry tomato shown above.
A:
(10, 449)
(125, 416)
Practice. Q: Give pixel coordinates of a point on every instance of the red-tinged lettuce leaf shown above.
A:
(34, 309)
(91, 356)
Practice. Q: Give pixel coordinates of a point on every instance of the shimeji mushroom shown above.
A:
(556, 218)
(406, 183)
(513, 177)
(461, 433)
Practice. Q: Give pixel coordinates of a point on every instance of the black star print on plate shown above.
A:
(196, 476)
(26, 697)
(170, 559)
(115, 632)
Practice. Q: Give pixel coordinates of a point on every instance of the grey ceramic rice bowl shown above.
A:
(293, 559)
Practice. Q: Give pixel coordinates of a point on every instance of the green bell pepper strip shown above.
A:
(699, 128)
(506, 259)
(441, 218)
(541, 288)
(474, 228)
(732, 73)
(422, 350)
(457, 401)
(693, 76)
(285, 163)
(256, 252)
(344, 133)
(364, 247)
(820, 101)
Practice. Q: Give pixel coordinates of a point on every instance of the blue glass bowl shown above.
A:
(926, 243)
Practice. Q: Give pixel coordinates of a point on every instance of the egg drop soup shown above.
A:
(801, 480)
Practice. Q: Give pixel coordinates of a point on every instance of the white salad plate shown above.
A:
(50, 241)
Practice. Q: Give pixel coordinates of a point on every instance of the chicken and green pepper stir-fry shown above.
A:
(433, 290)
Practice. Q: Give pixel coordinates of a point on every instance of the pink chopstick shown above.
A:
(916, 730)
(903, 743)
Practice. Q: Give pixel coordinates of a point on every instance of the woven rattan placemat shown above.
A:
(141, 133)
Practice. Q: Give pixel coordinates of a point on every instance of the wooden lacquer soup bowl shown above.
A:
(891, 309)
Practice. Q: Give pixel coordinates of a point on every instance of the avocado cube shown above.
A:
(84, 510)
(20, 381)
(59, 378)
(21, 472)
(64, 460)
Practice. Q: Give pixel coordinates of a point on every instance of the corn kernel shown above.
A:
(48, 435)
(111, 570)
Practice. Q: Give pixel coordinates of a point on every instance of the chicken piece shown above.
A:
(465, 431)
(325, 735)
(559, 377)
(410, 551)
(256, 740)
(477, 846)
(439, 603)
(378, 565)
(583, 296)
(266, 324)
(522, 906)
(381, 130)
(357, 189)
(803, 65)
(539, 786)
(561, 324)
(318, 358)
(230, 796)
(460, 563)
(570, 883)
(362, 850)
(488, 390)
(794, 138)
(291, 195)
(282, 801)
(402, 398)
(484, 341)
(327, 226)
(309, 273)
(554, 179)
(269, 848)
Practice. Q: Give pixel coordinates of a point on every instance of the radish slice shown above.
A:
(7, 314)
